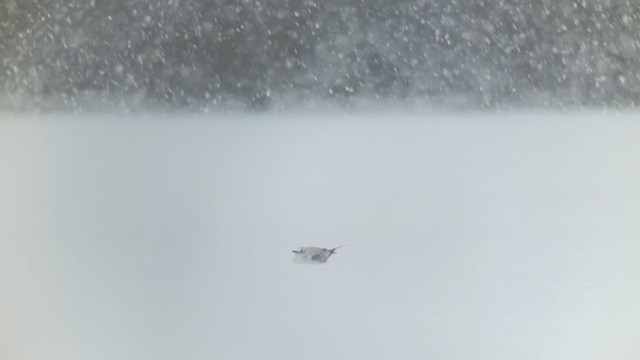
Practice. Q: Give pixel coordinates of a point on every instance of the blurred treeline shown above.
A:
(195, 53)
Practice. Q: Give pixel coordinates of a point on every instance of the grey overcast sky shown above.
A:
(512, 236)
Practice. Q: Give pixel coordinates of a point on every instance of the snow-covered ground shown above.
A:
(487, 236)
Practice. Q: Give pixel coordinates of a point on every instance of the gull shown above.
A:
(313, 255)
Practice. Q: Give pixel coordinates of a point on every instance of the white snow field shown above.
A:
(478, 236)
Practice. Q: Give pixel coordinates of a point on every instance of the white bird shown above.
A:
(313, 255)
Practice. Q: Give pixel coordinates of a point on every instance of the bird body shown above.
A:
(313, 255)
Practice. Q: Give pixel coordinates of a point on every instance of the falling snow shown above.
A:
(193, 53)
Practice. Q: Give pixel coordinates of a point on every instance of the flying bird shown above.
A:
(313, 255)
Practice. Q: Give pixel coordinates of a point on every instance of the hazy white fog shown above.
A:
(169, 237)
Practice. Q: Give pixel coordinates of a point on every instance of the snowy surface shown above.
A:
(510, 236)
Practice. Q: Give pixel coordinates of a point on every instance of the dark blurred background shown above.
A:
(202, 53)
